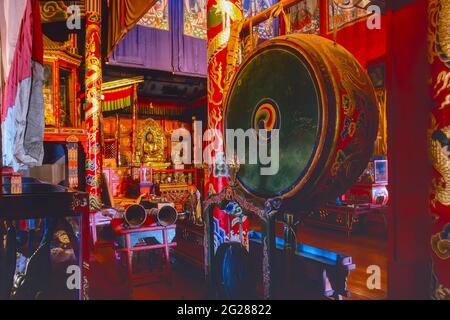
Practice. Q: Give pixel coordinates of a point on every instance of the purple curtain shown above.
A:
(155, 49)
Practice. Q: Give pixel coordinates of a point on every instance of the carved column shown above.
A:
(134, 160)
(93, 102)
(439, 135)
(223, 18)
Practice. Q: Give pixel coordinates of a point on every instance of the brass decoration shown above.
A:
(381, 142)
(438, 35)
(443, 33)
(151, 145)
(234, 167)
(440, 156)
(440, 243)
(433, 9)
(442, 83)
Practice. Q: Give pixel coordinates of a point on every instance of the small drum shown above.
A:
(135, 215)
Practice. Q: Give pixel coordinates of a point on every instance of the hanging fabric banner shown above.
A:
(117, 99)
(123, 15)
(22, 109)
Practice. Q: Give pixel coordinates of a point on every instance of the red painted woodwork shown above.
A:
(407, 74)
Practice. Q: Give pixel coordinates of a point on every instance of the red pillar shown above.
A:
(93, 102)
(221, 16)
(409, 220)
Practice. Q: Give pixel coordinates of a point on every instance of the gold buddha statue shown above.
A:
(152, 142)
(151, 150)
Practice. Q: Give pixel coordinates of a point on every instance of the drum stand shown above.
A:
(267, 215)
(289, 250)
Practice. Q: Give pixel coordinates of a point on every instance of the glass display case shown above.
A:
(146, 180)
(380, 171)
(371, 186)
(61, 88)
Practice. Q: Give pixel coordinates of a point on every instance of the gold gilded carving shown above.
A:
(441, 247)
(232, 12)
(443, 31)
(438, 34)
(440, 156)
(433, 9)
(381, 143)
(151, 145)
(442, 84)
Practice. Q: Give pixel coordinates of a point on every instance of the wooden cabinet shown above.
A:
(347, 218)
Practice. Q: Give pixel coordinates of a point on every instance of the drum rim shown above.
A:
(290, 43)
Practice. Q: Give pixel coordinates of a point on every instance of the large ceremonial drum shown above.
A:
(323, 103)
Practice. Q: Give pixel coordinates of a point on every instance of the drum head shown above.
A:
(276, 89)
(135, 215)
(233, 277)
(167, 216)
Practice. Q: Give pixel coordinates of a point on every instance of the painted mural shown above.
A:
(342, 13)
(253, 7)
(195, 18)
(305, 17)
(157, 17)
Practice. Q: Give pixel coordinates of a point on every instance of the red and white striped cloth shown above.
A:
(22, 75)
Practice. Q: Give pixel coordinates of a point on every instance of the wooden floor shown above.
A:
(366, 250)
(108, 280)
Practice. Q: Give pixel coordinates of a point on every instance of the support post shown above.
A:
(133, 127)
(221, 17)
(409, 221)
(117, 142)
(93, 84)
(269, 247)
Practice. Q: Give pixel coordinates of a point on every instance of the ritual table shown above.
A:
(130, 241)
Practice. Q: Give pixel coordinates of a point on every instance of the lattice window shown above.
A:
(110, 150)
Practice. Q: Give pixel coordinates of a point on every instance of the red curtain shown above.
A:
(123, 15)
